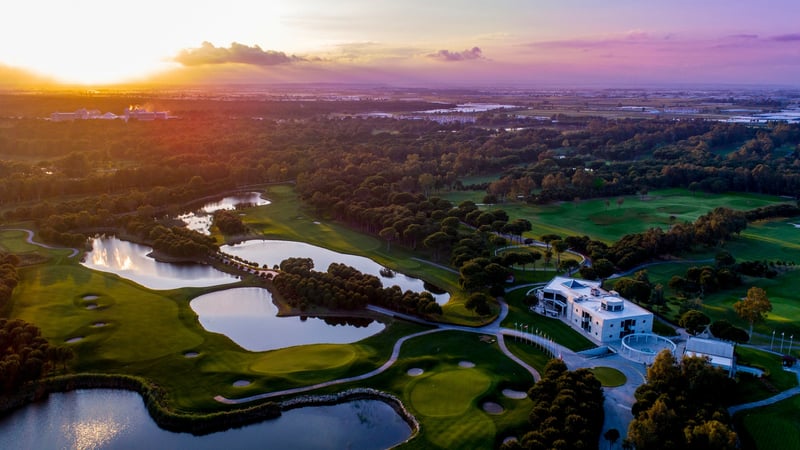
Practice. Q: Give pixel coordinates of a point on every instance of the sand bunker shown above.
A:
(91, 306)
(191, 355)
(493, 408)
(99, 324)
(466, 364)
(241, 383)
(518, 395)
(74, 340)
(90, 297)
(510, 439)
(415, 372)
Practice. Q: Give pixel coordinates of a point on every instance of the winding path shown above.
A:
(492, 328)
(30, 240)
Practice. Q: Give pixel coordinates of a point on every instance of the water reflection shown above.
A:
(272, 252)
(109, 419)
(201, 219)
(130, 261)
(248, 317)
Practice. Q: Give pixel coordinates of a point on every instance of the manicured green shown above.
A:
(609, 376)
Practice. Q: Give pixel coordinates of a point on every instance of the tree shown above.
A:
(603, 268)
(560, 247)
(694, 321)
(612, 435)
(478, 302)
(754, 307)
(390, 234)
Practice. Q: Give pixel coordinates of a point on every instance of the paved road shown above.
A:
(30, 240)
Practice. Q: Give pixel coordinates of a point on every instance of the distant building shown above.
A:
(602, 315)
(136, 113)
(720, 353)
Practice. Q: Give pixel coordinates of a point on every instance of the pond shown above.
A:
(130, 261)
(271, 252)
(201, 219)
(248, 317)
(100, 419)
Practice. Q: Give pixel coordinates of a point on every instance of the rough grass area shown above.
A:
(771, 427)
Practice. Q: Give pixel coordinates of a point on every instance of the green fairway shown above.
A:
(610, 222)
(309, 357)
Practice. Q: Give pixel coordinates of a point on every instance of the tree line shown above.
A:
(567, 411)
(343, 287)
(682, 406)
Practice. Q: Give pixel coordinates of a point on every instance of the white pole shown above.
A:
(772, 341)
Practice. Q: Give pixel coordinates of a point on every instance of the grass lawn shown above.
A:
(750, 389)
(771, 427)
(608, 376)
(552, 328)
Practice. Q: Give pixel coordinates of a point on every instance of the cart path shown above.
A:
(30, 240)
(492, 328)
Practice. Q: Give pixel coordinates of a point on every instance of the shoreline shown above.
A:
(196, 424)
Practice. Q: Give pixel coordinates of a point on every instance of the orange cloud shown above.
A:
(237, 53)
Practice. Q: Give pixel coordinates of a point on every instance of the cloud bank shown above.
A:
(448, 56)
(236, 54)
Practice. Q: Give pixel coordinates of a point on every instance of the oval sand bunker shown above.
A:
(99, 324)
(90, 297)
(241, 383)
(466, 364)
(493, 408)
(191, 355)
(518, 395)
(74, 339)
(415, 372)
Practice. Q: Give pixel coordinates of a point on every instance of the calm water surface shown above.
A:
(201, 219)
(248, 317)
(271, 252)
(130, 261)
(112, 419)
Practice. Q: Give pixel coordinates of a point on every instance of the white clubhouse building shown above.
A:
(601, 315)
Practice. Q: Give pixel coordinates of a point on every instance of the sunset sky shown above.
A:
(406, 43)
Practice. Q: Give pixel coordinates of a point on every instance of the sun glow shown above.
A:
(100, 42)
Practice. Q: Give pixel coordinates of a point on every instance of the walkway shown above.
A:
(768, 401)
(30, 240)
(492, 328)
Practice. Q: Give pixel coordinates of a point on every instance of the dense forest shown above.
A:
(380, 175)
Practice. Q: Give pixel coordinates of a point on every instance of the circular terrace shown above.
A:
(643, 347)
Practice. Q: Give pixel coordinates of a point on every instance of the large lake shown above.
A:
(112, 419)
(130, 260)
(201, 219)
(248, 317)
(271, 252)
